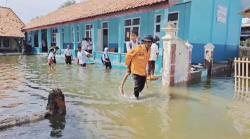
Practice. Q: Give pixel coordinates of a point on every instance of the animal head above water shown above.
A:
(56, 102)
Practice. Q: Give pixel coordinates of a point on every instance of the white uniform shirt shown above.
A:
(130, 45)
(84, 45)
(68, 52)
(153, 52)
(82, 57)
(90, 46)
(51, 56)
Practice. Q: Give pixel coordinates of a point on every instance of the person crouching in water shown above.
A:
(82, 57)
(51, 59)
(105, 59)
(137, 60)
(68, 55)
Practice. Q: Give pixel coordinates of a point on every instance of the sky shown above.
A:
(28, 9)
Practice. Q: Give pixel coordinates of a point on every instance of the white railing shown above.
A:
(242, 76)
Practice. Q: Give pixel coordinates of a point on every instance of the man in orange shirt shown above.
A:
(137, 60)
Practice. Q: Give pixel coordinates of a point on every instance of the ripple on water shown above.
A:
(96, 110)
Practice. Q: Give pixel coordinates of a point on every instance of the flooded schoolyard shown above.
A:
(95, 109)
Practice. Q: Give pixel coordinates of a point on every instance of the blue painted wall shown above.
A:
(204, 28)
(197, 23)
(184, 10)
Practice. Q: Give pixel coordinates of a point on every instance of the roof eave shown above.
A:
(163, 4)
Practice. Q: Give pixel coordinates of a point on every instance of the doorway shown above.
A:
(44, 41)
(105, 34)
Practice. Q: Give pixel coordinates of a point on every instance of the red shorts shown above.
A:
(50, 62)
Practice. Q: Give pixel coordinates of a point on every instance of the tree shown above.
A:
(67, 3)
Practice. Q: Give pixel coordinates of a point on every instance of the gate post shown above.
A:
(169, 55)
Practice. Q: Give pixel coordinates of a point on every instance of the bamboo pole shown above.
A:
(247, 75)
(238, 73)
(243, 74)
(235, 74)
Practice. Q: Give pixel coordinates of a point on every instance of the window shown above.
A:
(54, 31)
(63, 37)
(72, 34)
(78, 34)
(36, 44)
(105, 25)
(157, 26)
(6, 43)
(174, 19)
(131, 25)
(29, 38)
(88, 31)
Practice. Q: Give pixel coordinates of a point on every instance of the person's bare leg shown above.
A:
(123, 82)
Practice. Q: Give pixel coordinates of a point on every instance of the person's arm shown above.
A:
(86, 53)
(130, 56)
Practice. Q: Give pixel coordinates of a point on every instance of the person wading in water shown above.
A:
(137, 60)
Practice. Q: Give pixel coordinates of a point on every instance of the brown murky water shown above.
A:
(96, 110)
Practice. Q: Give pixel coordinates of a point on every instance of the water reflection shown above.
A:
(57, 124)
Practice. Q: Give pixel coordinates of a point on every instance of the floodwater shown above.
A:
(95, 109)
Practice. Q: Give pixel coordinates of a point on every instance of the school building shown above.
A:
(11, 35)
(109, 23)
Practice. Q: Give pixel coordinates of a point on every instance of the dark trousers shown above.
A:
(139, 84)
(83, 65)
(68, 59)
(151, 67)
(108, 65)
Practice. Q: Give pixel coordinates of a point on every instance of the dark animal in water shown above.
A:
(55, 106)
(56, 103)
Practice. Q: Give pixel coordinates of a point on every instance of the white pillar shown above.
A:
(169, 47)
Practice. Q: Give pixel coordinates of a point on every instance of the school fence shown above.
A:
(242, 76)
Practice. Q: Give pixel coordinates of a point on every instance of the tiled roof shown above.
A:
(10, 24)
(88, 9)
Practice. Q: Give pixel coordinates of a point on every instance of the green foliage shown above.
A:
(67, 3)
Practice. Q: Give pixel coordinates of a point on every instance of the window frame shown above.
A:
(5, 39)
(72, 34)
(63, 35)
(175, 22)
(132, 26)
(54, 31)
(157, 24)
(88, 31)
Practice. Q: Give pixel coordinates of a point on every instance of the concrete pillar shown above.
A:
(95, 37)
(190, 49)
(208, 56)
(120, 38)
(176, 58)
(33, 39)
(39, 41)
(49, 38)
(169, 49)
(60, 30)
